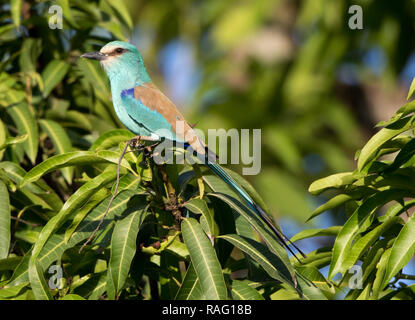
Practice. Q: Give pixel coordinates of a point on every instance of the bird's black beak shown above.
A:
(94, 56)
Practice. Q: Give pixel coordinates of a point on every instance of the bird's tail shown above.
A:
(219, 171)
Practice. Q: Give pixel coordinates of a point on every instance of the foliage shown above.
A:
(171, 232)
(60, 142)
(378, 197)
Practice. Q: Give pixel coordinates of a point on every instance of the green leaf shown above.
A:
(71, 159)
(72, 296)
(123, 247)
(306, 278)
(371, 148)
(38, 192)
(5, 235)
(30, 51)
(241, 290)
(73, 203)
(330, 204)
(378, 283)
(261, 254)
(404, 155)
(12, 291)
(96, 78)
(334, 181)
(26, 125)
(204, 260)
(199, 206)
(53, 74)
(61, 142)
(56, 245)
(80, 216)
(191, 288)
(111, 138)
(122, 10)
(67, 12)
(3, 137)
(358, 223)
(38, 282)
(264, 231)
(403, 250)
(100, 287)
(9, 263)
(13, 140)
(310, 233)
(15, 9)
(361, 245)
(79, 120)
(411, 90)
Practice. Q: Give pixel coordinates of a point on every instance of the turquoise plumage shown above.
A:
(144, 110)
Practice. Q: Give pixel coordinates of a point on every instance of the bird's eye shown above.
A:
(119, 50)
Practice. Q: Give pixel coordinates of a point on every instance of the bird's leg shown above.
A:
(135, 142)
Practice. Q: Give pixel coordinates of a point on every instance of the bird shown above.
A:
(146, 111)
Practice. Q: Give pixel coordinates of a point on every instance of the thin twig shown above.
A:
(138, 138)
(25, 222)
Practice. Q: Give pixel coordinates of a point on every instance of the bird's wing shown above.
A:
(148, 106)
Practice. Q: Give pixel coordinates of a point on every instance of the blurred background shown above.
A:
(292, 68)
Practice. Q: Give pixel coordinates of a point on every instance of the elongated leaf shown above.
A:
(122, 11)
(199, 206)
(260, 227)
(9, 263)
(38, 282)
(39, 192)
(12, 291)
(13, 140)
(61, 142)
(5, 235)
(3, 137)
(411, 90)
(111, 138)
(72, 204)
(310, 233)
(406, 153)
(56, 244)
(54, 72)
(15, 8)
(242, 291)
(99, 289)
(72, 296)
(123, 247)
(372, 146)
(95, 200)
(78, 119)
(261, 254)
(191, 288)
(361, 245)
(403, 250)
(332, 203)
(204, 260)
(357, 223)
(334, 181)
(308, 289)
(72, 159)
(95, 76)
(377, 284)
(26, 124)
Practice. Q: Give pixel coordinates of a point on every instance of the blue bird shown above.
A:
(145, 110)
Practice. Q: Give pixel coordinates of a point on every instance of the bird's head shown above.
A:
(118, 57)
